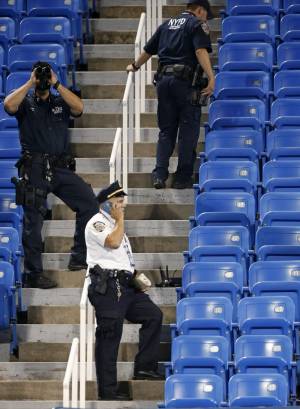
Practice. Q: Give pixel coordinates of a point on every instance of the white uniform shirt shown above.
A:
(96, 231)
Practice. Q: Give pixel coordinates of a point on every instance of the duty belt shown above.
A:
(182, 71)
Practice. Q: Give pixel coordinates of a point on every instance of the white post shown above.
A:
(75, 381)
(154, 16)
(119, 159)
(131, 126)
(125, 144)
(159, 12)
(90, 340)
(148, 35)
(143, 74)
(72, 362)
(113, 156)
(137, 102)
(83, 322)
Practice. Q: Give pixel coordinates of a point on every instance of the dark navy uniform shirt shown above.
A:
(44, 125)
(177, 39)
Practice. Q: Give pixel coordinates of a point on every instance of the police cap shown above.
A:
(113, 190)
(205, 4)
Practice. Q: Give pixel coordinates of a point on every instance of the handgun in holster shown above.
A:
(198, 84)
(30, 196)
(99, 278)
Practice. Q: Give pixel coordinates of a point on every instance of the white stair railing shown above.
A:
(71, 378)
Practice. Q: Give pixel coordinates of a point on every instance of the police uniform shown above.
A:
(44, 138)
(120, 301)
(175, 42)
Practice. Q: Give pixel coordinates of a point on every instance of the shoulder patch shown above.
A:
(205, 27)
(99, 226)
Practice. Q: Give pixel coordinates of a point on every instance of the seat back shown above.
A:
(9, 239)
(238, 7)
(288, 56)
(280, 169)
(12, 9)
(16, 80)
(207, 272)
(285, 112)
(10, 144)
(279, 202)
(219, 236)
(248, 113)
(215, 202)
(244, 84)
(7, 280)
(271, 271)
(191, 353)
(191, 390)
(266, 315)
(204, 308)
(246, 57)
(44, 29)
(248, 28)
(7, 171)
(278, 236)
(289, 28)
(283, 138)
(7, 28)
(287, 83)
(53, 8)
(254, 353)
(291, 6)
(248, 390)
(228, 170)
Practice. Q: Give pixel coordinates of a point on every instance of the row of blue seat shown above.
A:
(256, 7)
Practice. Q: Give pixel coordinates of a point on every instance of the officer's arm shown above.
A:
(14, 100)
(114, 239)
(204, 61)
(74, 102)
(142, 59)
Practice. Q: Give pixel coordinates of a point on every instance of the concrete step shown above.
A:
(59, 352)
(75, 279)
(59, 261)
(111, 91)
(109, 120)
(58, 314)
(57, 333)
(52, 390)
(37, 404)
(102, 150)
(71, 296)
(137, 212)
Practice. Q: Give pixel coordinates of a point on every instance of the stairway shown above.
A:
(156, 222)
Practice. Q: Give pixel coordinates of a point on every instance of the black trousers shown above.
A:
(137, 308)
(73, 191)
(176, 117)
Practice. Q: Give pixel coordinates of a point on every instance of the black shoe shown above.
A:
(35, 280)
(158, 183)
(182, 184)
(148, 375)
(76, 265)
(118, 396)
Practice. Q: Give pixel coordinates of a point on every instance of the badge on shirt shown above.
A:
(99, 226)
(205, 27)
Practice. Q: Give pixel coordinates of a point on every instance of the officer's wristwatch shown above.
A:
(135, 67)
(56, 85)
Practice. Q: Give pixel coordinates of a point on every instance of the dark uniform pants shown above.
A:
(137, 308)
(72, 190)
(176, 115)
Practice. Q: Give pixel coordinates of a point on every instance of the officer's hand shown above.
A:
(33, 78)
(130, 68)
(209, 90)
(117, 213)
(53, 79)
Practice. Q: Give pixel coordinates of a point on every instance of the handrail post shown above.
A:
(71, 373)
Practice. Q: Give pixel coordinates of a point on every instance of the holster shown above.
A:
(99, 278)
(198, 84)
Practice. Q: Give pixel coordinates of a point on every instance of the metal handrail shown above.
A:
(71, 377)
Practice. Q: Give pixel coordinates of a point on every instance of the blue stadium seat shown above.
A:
(48, 30)
(7, 171)
(287, 83)
(228, 176)
(203, 316)
(2, 64)
(280, 209)
(244, 84)
(213, 279)
(10, 214)
(246, 57)
(22, 57)
(288, 56)
(218, 243)
(273, 278)
(247, 114)
(281, 176)
(248, 28)
(285, 112)
(238, 7)
(193, 391)
(289, 28)
(196, 354)
(278, 243)
(250, 390)
(14, 9)
(266, 315)
(234, 144)
(291, 6)
(283, 144)
(7, 32)
(263, 353)
(8, 313)
(17, 79)
(6, 121)
(10, 147)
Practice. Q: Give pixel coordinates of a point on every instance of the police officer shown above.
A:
(181, 43)
(114, 295)
(47, 166)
